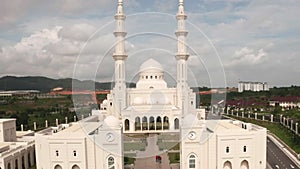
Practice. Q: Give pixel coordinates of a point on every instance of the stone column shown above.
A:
(34, 125)
(74, 118)
(242, 114)
(292, 125)
(249, 115)
(56, 121)
(263, 118)
(272, 118)
(22, 127)
(281, 118)
(255, 116)
(296, 129)
(46, 123)
(66, 120)
(131, 125)
(237, 114)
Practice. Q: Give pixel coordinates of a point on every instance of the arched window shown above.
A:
(16, 164)
(158, 123)
(127, 125)
(75, 167)
(244, 164)
(57, 167)
(245, 149)
(192, 161)
(28, 159)
(111, 163)
(137, 124)
(8, 166)
(176, 122)
(166, 123)
(227, 165)
(23, 162)
(74, 153)
(151, 123)
(227, 149)
(145, 123)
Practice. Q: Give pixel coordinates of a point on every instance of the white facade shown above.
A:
(16, 148)
(253, 86)
(74, 146)
(162, 114)
(229, 144)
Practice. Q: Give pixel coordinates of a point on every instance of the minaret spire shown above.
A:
(182, 57)
(120, 56)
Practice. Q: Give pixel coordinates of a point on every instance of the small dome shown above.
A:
(151, 64)
(112, 121)
(104, 102)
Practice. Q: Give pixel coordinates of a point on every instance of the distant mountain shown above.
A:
(45, 84)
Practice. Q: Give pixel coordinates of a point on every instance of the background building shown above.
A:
(253, 86)
(16, 148)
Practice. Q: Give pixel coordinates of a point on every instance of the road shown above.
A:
(277, 158)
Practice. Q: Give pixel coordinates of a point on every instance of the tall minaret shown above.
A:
(182, 57)
(119, 91)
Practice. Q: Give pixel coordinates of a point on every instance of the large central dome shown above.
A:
(151, 65)
(151, 75)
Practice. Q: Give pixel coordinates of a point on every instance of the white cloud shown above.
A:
(247, 35)
(248, 56)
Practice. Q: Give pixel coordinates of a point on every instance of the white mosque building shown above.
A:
(152, 125)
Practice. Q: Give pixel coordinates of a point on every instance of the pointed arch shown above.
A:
(75, 167)
(151, 123)
(145, 123)
(176, 124)
(158, 123)
(166, 123)
(111, 162)
(227, 165)
(57, 167)
(137, 124)
(192, 161)
(244, 164)
(127, 125)
(16, 164)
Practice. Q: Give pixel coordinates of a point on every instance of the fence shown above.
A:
(285, 121)
(35, 126)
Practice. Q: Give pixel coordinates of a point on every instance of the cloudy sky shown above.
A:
(228, 41)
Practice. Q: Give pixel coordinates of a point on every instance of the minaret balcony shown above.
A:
(181, 16)
(120, 17)
(181, 33)
(119, 56)
(183, 56)
(120, 33)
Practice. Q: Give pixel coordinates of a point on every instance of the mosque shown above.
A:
(152, 125)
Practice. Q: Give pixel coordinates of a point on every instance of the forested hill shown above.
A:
(45, 84)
